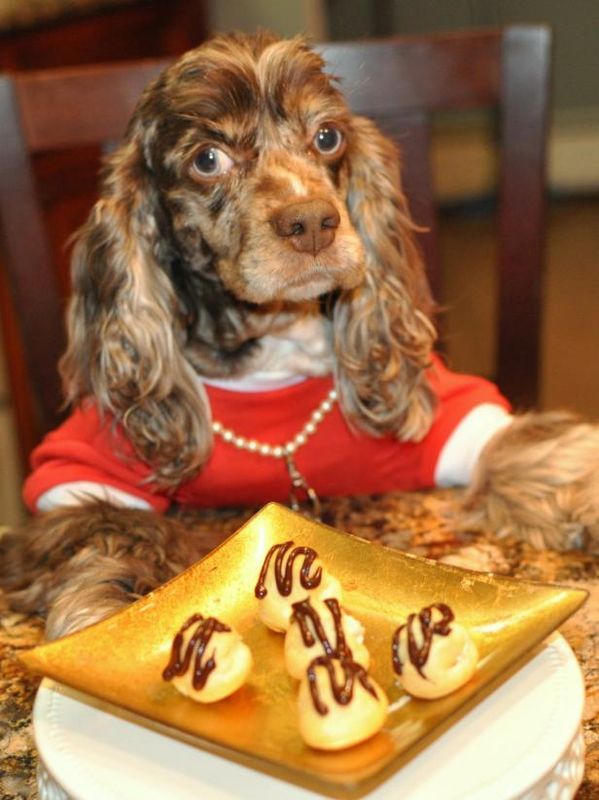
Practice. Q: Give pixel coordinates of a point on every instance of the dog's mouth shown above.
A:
(297, 282)
(278, 272)
(308, 287)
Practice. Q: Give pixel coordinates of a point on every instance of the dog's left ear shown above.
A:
(383, 333)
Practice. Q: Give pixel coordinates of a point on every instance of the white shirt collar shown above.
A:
(286, 358)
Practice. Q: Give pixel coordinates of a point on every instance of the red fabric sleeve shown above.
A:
(87, 447)
(457, 394)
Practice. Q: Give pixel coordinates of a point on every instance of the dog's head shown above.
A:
(244, 194)
(247, 141)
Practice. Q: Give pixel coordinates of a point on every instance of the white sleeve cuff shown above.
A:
(78, 492)
(462, 450)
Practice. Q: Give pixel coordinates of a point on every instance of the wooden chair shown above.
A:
(398, 81)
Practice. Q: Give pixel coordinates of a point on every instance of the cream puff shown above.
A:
(431, 654)
(339, 704)
(208, 661)
(290, 574)
(322, 627)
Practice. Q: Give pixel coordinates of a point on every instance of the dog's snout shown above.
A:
(309, 225)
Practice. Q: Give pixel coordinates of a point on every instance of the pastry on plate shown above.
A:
(339, 704)
(208, 660)
(322, 627)
(290, 574)
(432, 654)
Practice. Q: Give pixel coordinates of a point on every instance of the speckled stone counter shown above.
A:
(423, 524)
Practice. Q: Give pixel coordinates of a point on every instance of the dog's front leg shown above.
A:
(75, 566)
(538, 479)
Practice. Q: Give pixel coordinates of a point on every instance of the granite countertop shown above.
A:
(420, 523)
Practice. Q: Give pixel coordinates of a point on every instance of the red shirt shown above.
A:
(335, 461)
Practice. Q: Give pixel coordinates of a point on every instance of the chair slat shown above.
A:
(525, 108)
(25, 247)
(412, 133)
(459, 70)
(71, 107)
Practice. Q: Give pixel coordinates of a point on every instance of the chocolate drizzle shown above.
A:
(179, 661)
(284, 572)
(418, 655)
(342, 691)
(304, 611)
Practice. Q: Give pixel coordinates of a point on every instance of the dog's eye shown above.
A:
(211, 163)
(328, 140)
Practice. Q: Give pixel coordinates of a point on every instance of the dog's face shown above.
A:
(247, 143)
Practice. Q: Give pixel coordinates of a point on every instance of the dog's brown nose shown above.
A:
(309, 225)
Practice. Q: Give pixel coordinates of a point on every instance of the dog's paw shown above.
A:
(538, 480)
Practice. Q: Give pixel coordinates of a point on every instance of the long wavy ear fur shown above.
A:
(124, 324)
(383, 333)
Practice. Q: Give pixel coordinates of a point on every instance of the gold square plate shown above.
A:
(120, 660)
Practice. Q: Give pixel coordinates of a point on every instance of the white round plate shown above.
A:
(511, 745)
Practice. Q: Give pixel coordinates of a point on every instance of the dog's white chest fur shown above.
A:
(304, 349)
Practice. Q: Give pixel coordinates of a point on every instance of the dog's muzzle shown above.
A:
(308, 225)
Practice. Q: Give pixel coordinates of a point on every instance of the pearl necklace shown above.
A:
(286, 451)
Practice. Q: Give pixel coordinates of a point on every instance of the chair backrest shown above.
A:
(399, 81)
(48, 111)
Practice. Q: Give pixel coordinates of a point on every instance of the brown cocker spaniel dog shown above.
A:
(245, 199)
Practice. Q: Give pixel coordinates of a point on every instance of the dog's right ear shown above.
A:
(383, 332)
(125, 326)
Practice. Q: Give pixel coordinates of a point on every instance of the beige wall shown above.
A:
(283, 17)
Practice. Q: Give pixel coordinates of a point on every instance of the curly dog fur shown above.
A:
(81, 564)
